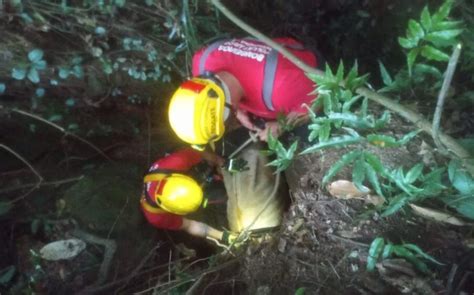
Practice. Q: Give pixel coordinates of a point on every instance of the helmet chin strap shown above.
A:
(227, 107)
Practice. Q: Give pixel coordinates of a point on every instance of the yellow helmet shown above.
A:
(175, 193)
(197, 111)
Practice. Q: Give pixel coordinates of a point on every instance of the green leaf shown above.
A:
(3, 87)
(327, 104)
(447, 25)
(387, 251)
(427, 69)
(5, 207)
(120, 3)
(415, 30)
(345, 160)
(18, 73)
(442, 12)
(291, 151)
(40, 65)
(407, 43)
(460, 178)
(300, 291)
(55, 118)
(407, 137)
(333, 142)
(414, 173)
(358, 173)
(375, 250)
(340, 72)
(70, 102)
(100, 30)
(375, 162)
(443, 38)
(426, 19)
(395, 205)
(373, 178)
(420, 252)
(387, 80)
(434, 54)
(405, 253)
(411, 57)
(364, 107)
(346, 107)
(33, 75)
(325, 132)
(7, 274)
(35, 55)
(40, 92)
(464, 205)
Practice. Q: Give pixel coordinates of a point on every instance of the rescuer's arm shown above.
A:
(201, 230)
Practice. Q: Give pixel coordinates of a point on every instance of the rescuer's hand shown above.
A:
(245, 120)
(272, 127)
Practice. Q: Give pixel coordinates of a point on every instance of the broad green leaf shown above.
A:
(420, 252)
(18, 73)
(358, 173)
(387, 251)
(442, 12)
(426, 19)
(447, 25)
(395, 205)
(460, 178)
(376, 248)
(434, 54)
(33, 75)
(405, 253)
(411, 57)
(345, 160)
(465, 206)
(413, 174)
(3, 87)
(35, 55)
(407, 43)
(5, 207)
(427, 69)
(415, 30)
(443, 38)
(40, 65)
(387, 80)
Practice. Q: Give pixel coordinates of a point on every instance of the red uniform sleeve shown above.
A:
(163, 220)
(181, 160)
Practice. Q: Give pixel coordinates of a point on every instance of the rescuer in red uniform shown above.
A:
(244, 76)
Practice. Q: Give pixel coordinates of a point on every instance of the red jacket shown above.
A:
(180, 161)
(272, 84)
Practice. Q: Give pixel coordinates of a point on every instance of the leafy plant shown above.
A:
(430, 34)
(31, 69)
(463, 202)
(379, 249)
(283, 156)
(412, 186)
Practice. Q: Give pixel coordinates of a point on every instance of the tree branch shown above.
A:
(453, 61)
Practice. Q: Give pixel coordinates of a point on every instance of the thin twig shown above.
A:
(413, 117)
(453, 61)
(66, 133)
(40, 178)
